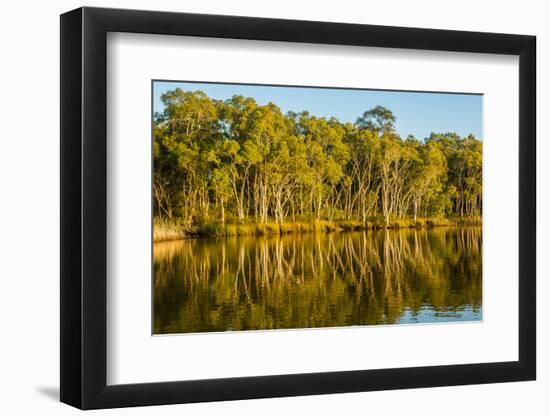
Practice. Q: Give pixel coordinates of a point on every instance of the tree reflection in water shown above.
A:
(318, 280)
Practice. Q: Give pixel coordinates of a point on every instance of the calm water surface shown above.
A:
(318, 280)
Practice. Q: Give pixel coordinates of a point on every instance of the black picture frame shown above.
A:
(84, 207)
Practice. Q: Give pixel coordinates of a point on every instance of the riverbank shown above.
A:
(165, 231)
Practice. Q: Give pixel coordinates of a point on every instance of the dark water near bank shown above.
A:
(318, 280)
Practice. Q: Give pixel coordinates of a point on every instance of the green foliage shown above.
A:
(235, 167)
(379, 119)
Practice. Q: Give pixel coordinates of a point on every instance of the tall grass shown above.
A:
(164, 230)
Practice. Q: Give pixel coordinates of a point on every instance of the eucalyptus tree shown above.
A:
(395, 186)
(183, 135)
(464, 158)
(327, 156)
(379, 119)
(429, 177)
(361, 190)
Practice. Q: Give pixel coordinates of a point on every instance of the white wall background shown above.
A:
(29, 225)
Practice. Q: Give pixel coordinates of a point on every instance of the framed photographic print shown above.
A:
(256, 208)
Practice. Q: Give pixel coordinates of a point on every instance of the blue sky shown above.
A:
(418, 114)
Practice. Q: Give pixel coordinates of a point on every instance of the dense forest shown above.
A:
(234, 166)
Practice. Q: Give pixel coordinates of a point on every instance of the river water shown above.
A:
(318, 280)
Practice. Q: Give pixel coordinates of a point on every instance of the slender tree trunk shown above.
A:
(223, 211)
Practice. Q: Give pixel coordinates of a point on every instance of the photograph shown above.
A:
(292, 207)
(267, 206)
